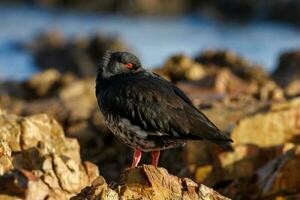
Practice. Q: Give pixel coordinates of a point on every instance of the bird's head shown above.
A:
(114, 63)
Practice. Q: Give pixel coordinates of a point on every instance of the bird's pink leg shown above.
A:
(155, 157)
(137, 154)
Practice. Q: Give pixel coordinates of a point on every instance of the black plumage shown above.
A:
(146, 111)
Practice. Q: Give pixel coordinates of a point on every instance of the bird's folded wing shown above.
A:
(159, 108)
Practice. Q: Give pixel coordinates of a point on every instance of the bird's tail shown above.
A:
(203, 128)
(225, 144)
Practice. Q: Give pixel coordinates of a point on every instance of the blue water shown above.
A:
(152, 38)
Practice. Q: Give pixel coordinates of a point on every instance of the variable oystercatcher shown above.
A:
(147, 112)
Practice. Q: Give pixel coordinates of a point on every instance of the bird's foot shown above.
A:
(137, 154)
(155, 157)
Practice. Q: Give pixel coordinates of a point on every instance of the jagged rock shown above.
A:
(248, 185)
(148, 182)
(227, 166)
(5, 157)
(23, 184)
(37, 161)
(279, 125)
(288, 69)
(280, 176)
(246, 159)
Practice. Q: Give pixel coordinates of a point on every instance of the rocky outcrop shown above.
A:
(276, 179)
(272, 179)
(148, 182)
(38, 162)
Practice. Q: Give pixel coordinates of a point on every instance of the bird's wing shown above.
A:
(178, 91)
(160, 108)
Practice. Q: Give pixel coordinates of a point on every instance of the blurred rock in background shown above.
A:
(152, 7)
(79, 55)
(288, 69)
(238, 10)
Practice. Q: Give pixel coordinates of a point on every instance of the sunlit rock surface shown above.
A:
(37, 161)
(279, 125)
(148, 182)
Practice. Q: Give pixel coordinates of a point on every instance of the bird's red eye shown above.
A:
(129, 65)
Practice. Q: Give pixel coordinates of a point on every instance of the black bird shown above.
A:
(147, 112)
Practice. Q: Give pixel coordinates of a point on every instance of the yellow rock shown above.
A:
(149, 183)
(203, 172)
(38, 161)
(280, 125)
(281, 174)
